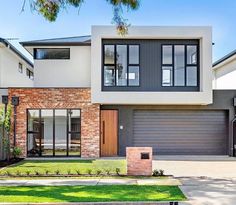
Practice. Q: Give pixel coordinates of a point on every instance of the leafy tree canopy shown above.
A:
(51, 8)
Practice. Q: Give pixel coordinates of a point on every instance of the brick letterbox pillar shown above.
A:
(139, 161)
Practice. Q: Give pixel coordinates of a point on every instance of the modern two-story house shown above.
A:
(95, 95)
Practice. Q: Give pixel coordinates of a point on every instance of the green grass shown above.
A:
(64, 165)
(40, 194)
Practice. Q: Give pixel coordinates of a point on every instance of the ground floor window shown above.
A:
(53, 132)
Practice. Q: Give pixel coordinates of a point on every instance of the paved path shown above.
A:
(99, 181)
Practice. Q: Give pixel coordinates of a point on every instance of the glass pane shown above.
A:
(47, 132)
(52, 53)
(109, 57)
(74, 120)
(74, 144)
(60, 132)
(191, 54)
(134, 75)
(33, 121)
(133, 54)
(166, 54)
(179, 66)
(192, 76)
(121, 55)
(109, 75)
(33, 145)
(167, 76)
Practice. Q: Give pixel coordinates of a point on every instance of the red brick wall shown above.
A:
(60, 98)
(136, 165)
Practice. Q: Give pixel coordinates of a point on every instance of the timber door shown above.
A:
(109, 133)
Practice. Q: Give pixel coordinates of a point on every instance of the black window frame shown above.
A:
(29, 73)
(197, 65)
(35, 54)
(40, 131)
(115, 64)
(20, 67)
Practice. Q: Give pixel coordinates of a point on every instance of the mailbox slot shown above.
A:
(145, 155)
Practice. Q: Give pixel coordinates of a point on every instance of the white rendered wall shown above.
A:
(74, 72)
(225, 76)
(9, 74)
(153, 32)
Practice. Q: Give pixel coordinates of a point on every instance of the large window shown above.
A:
(51, 53)
(179, 65)
(54, 132)
(121, 65)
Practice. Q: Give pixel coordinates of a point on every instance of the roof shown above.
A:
(16, 51)
(224, 58)
(76, 40)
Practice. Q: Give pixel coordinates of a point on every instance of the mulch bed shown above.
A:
(5, 163)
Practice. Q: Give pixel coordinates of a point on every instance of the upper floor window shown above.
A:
(30, 74)
(179, 65)
(51, 53)
(121, 65)
(20, 67)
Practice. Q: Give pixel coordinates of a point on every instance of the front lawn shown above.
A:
(100, 193)
(63, 166)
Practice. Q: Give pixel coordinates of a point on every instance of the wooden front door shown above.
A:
(109, 133)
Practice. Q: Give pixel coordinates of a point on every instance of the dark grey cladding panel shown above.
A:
(150, 64)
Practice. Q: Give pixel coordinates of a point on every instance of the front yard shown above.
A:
(65, 167)
(100, 193)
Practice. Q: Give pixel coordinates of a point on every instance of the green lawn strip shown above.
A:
(66, 165)
(100, 193)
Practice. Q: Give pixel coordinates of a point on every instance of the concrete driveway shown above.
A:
(206, 180)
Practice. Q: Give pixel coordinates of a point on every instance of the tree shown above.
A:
(51, 8)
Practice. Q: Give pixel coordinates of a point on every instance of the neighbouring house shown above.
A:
(224, 72)
(95, 95)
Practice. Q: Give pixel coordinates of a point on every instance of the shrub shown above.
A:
(18, 173)
(57, 172)
(36, 173)
(98, 172)
(108, 171)
(27, 172)
(8, 173)
(16, 152)
(157, 172)
(46, 172)
(89, 171)
(78, 171)
(118, 171)
(68, 172)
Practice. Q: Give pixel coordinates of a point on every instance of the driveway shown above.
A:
(206, 180)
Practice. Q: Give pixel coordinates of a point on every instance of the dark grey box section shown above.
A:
(150, 64)
(179, 129)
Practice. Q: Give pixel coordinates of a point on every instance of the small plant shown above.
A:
(36, 173)
(57, 172)
(108, 171)
(18, 173)
(46, 172)
(118, 171)
(98, 172)
(78, 171)
(8, 173)
(157, 172)
(69, 172)
(16, 152)
(89, 171)
(27, 172)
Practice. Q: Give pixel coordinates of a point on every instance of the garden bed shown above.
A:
(5, 163)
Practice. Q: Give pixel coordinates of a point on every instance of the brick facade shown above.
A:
(136, 165)
(36, 98)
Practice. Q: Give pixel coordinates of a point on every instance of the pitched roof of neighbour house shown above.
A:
(230, 56)
(16, 51)
(76, 40)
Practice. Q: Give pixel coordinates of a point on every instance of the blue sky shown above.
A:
(28, 25)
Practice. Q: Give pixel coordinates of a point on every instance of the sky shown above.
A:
(29, 25)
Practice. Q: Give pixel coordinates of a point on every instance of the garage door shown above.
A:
(181, 132)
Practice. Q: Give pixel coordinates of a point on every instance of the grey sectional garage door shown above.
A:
(181, 132)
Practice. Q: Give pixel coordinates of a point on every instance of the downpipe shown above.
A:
(232, 126)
